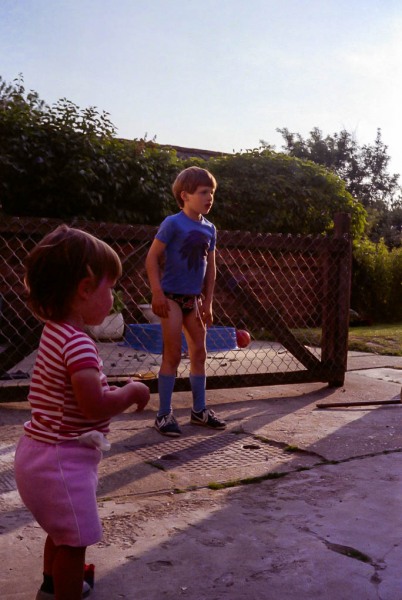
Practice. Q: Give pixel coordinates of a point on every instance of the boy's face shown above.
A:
(199, 202)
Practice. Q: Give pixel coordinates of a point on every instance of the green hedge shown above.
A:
(61, 161)
(377, 281)
(264, 191)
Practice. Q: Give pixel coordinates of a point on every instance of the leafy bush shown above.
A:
(61, 161)
(377, 281)
(261, 190)
(118, 302)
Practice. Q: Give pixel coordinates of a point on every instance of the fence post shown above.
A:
(335, 324)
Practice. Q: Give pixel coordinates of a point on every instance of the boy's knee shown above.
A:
(172, 358)
(199, 355)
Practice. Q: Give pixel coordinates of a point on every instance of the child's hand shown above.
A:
(160, 305)
(140, 394)
(97, 402)
(206, 313)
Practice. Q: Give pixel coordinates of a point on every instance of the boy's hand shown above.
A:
(206, 312)
(160, 305)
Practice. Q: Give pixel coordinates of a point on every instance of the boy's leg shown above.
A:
(198, 385)
(165, 422)
(165, 389)
(171, 333)
(195, 332)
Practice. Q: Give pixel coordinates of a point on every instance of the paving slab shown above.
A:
(291, 501)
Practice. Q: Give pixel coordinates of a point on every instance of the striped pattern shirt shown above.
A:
(55, 414)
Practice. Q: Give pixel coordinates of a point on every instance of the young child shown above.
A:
(182, 298)
(69, 279)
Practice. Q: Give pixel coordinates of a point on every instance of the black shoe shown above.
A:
(207, 418)
(167, 425)
(41, 595)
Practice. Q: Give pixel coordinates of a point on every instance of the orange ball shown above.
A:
(242, 338)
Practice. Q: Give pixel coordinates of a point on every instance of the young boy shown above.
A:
(182, 298)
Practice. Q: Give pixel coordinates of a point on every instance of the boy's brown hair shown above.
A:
(189, 179)
(55, 267)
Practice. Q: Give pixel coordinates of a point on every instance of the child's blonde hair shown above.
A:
(59, 262)
(189, 179)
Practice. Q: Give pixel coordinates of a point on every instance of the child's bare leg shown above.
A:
(171, 331)
(195, 333)
(48, 556)
(196, 339)
(68, 572)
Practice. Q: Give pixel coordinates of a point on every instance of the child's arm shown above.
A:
(160, 305)
(208, 290)
(97, 403)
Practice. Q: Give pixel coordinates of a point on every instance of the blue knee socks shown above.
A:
(198, 384)
(165, 389)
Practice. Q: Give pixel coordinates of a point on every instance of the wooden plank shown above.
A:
(215, 382)
(336, 301)
(348, 404)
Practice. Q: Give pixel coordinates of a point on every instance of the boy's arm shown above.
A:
(208, 289)
(160, 305)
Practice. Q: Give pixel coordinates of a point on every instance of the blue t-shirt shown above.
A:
(188, 243)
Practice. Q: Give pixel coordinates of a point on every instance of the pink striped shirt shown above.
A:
(55, 414)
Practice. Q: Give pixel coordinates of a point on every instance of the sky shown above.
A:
(215, 74)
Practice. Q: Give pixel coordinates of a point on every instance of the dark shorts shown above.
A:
(186, 303)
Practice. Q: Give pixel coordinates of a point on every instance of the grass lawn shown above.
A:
(378, 339)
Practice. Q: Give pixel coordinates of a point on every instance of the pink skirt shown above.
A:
(57, 483)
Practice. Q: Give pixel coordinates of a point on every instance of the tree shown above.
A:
(364, 170)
